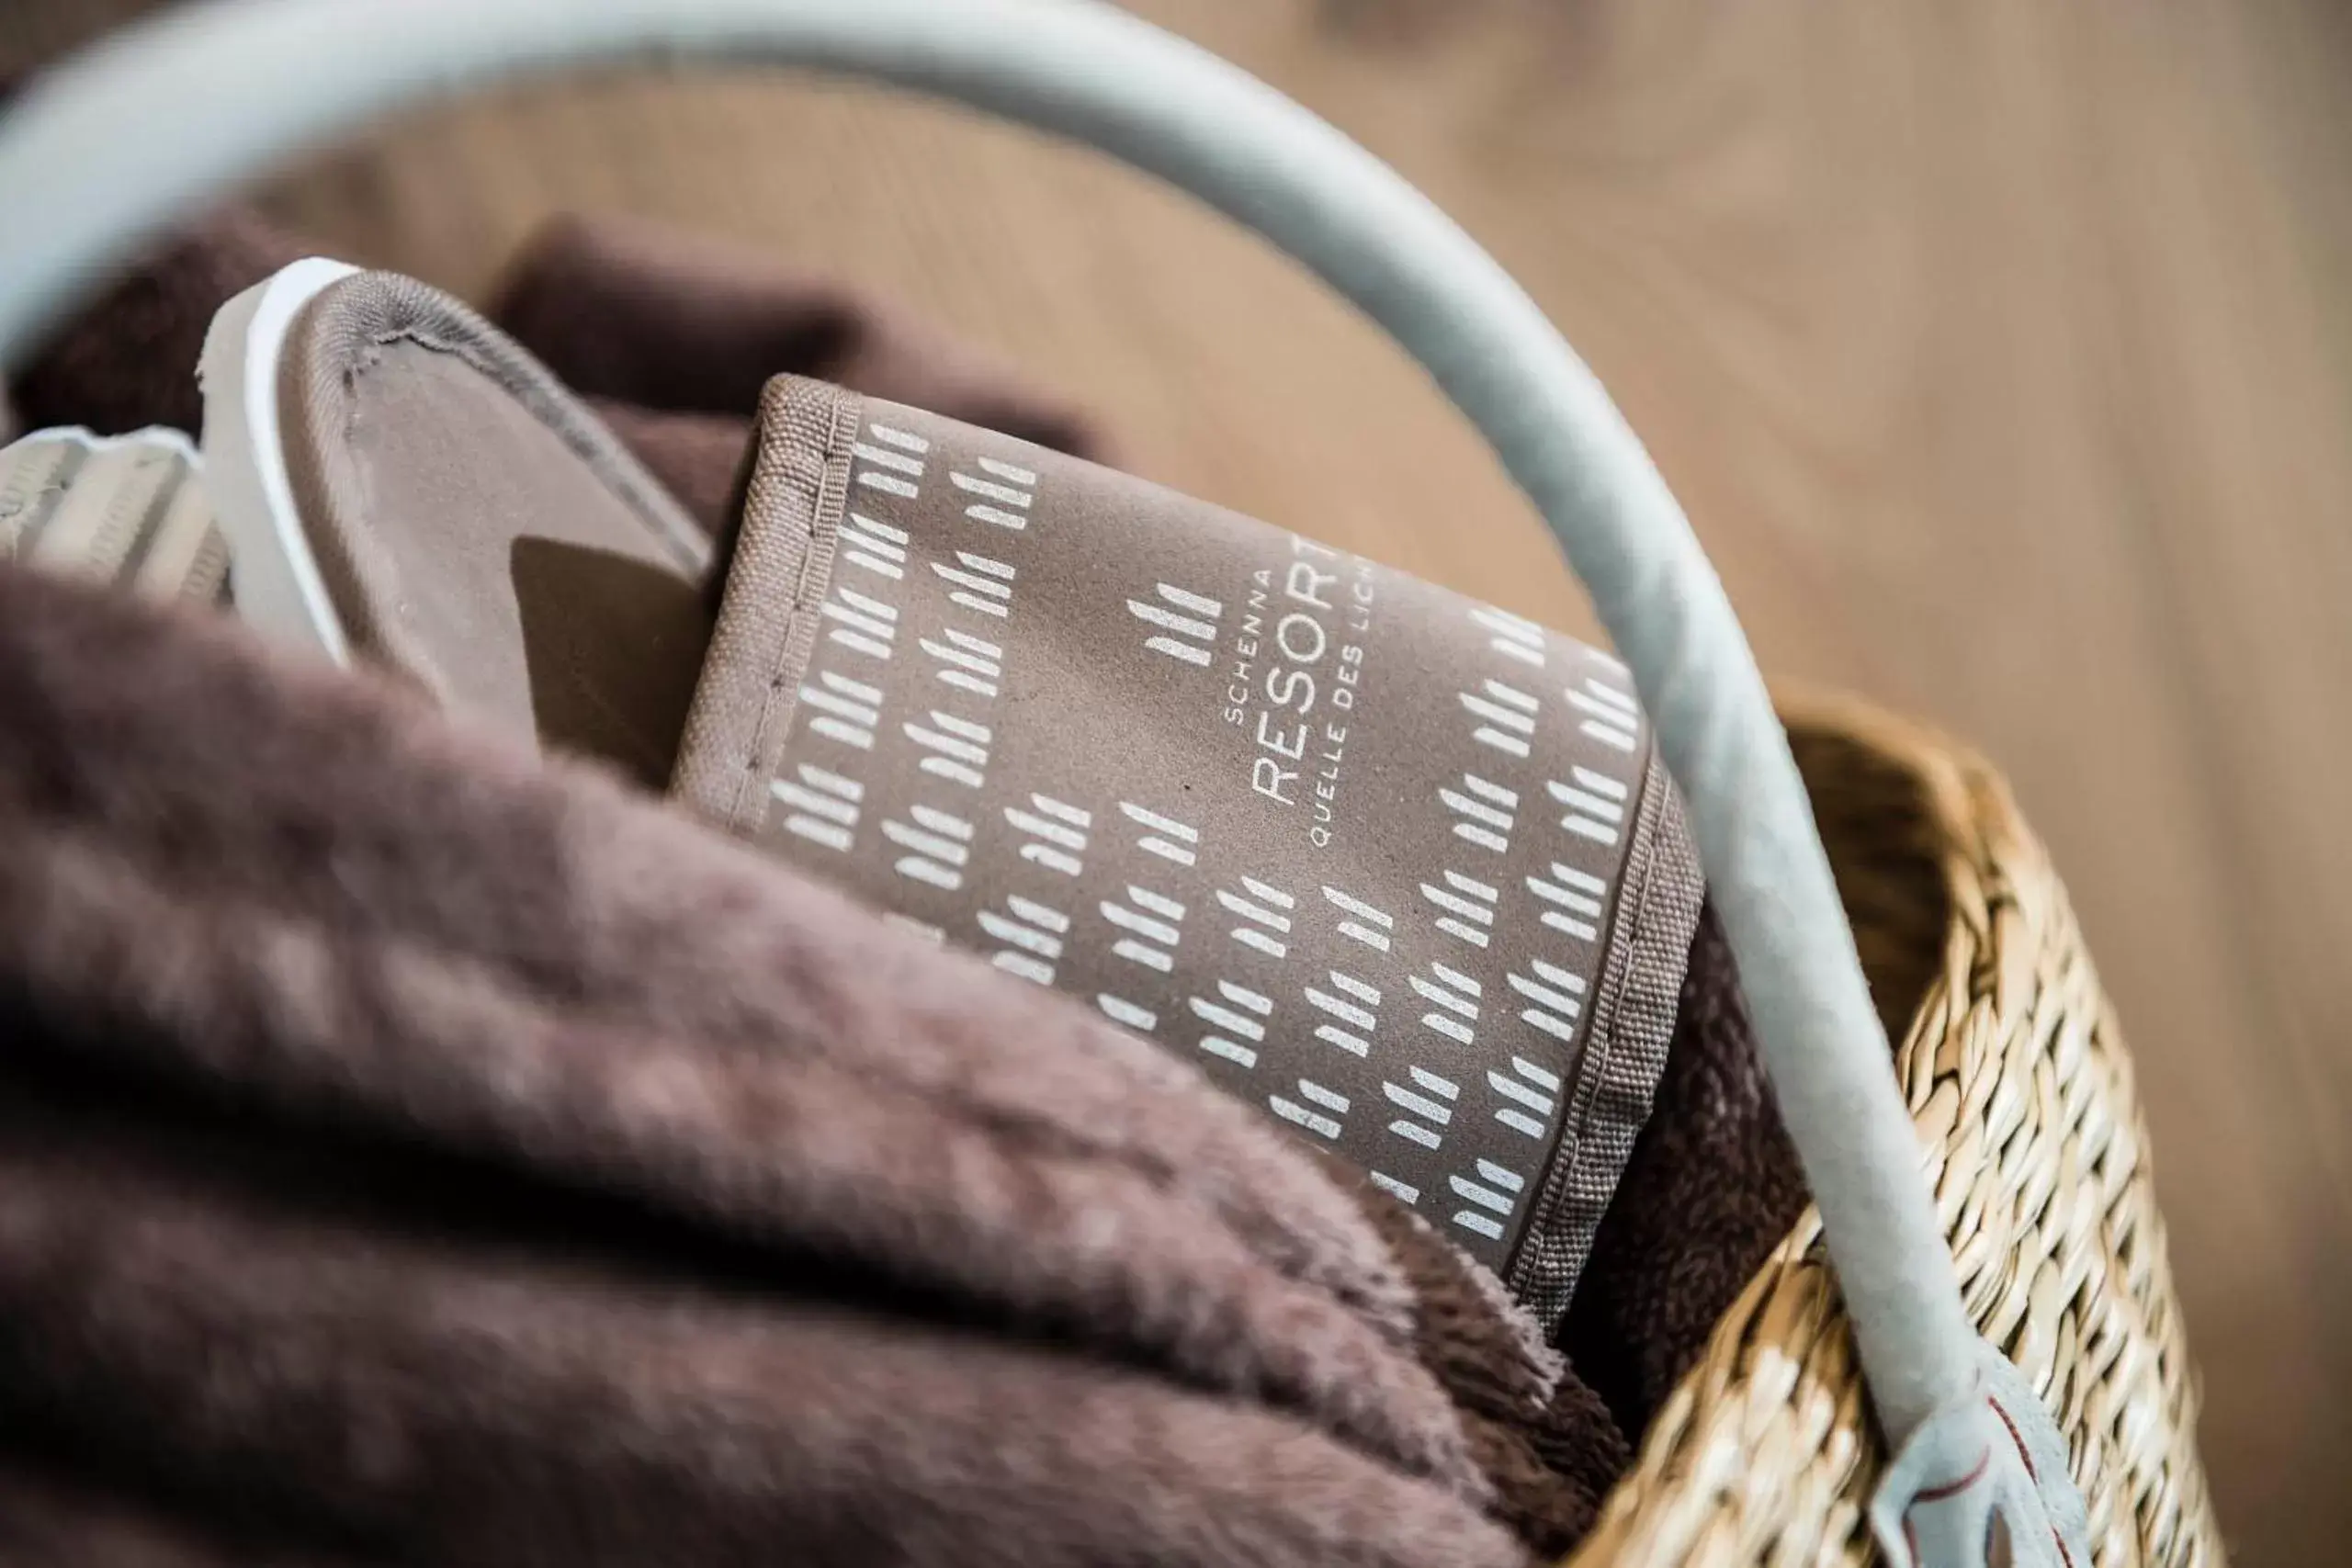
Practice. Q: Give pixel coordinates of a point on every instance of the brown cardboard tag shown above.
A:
(1394, 865)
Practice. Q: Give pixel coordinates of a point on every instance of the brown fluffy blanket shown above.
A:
(413, 1151)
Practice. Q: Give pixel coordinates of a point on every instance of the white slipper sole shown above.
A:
(280, 590)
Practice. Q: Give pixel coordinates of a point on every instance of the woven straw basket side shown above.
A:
(2022, 1092)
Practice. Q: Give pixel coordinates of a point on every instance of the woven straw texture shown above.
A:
(2017, 1076)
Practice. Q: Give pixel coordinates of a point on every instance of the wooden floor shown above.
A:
(2002, 354)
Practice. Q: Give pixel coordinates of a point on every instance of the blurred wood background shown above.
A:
(2002, 354)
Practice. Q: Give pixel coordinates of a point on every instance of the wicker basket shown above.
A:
(2010, 1065)
(2021, 1088)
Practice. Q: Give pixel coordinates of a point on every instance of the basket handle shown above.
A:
(108, 149)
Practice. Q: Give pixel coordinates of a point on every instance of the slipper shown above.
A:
(405, 487)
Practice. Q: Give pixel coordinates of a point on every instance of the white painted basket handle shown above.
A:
(105, 153)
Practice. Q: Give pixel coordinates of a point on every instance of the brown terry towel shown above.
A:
(413, 1151)
(1713, 1188)
(129, 360)
(674, 335)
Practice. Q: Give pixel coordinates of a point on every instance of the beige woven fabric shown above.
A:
(128, 509)
(2022, 1091)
